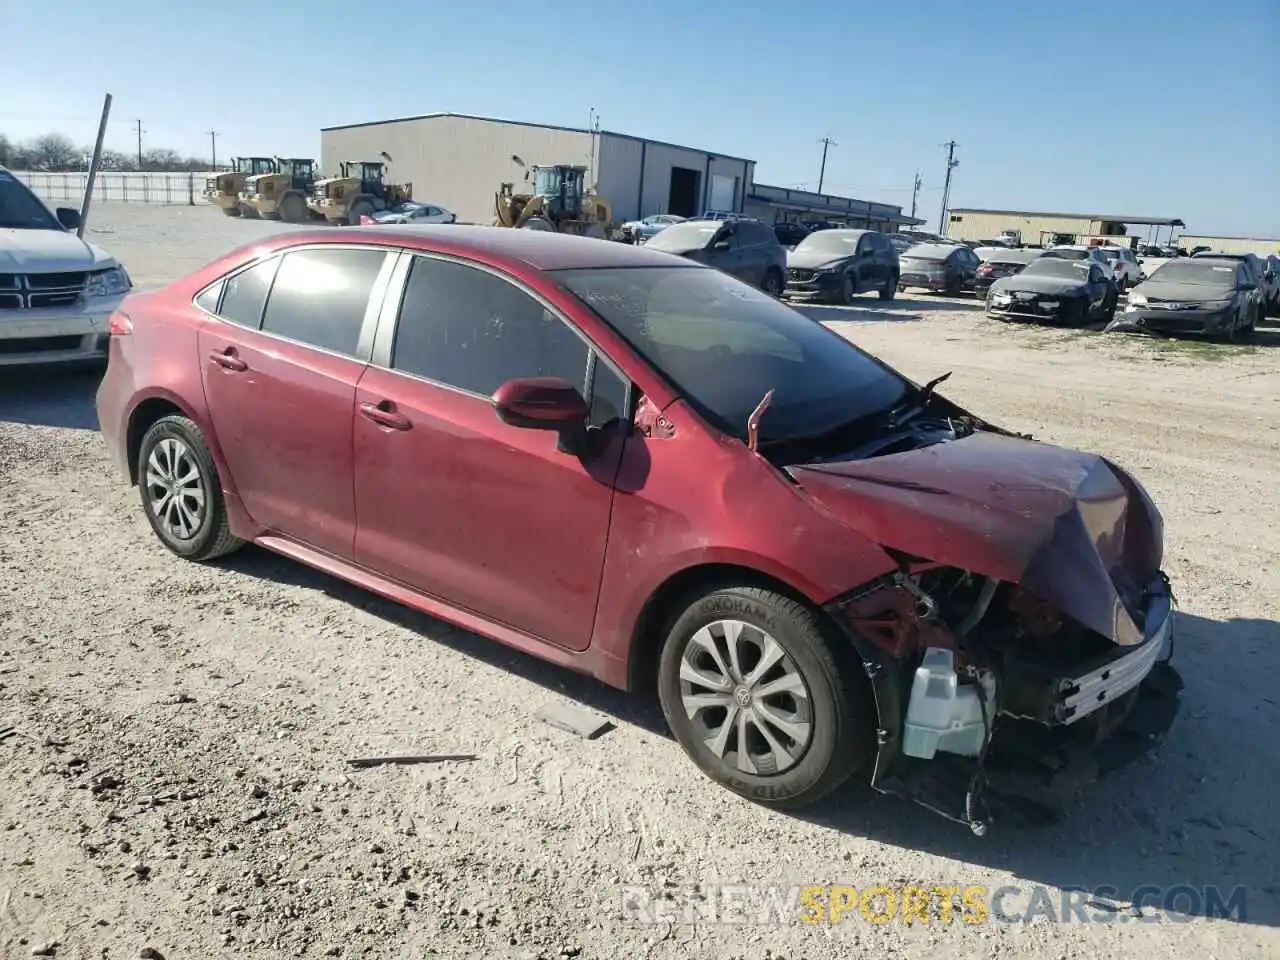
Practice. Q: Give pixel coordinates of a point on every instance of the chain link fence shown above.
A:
(156, 188)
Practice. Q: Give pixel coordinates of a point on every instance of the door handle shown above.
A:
(228, 360)
(382, 414)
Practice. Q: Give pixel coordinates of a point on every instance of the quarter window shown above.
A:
(319, 297)
(473, 330)
(208, 298)
(246, 293)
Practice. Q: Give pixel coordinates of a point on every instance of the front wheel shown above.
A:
(763, 699)
(180, 491)
(362, 208)
(890, 287)
(773, 283)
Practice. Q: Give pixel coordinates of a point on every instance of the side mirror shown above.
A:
(720, 245)
(70, 219)
(545, 403)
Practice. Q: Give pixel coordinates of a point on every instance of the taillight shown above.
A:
(120, 325)
(985, 268)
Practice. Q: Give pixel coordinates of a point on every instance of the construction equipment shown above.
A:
(559, 202)
(281, 194)
(359, 191)
(223, 190)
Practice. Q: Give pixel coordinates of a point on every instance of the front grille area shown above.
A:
(41, 291)
(1028, 305)
(320, 191)
(40, 344)
(799, 276)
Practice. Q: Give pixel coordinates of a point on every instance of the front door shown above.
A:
(452, 501)
(280, 367)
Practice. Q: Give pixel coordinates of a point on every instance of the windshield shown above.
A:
(693, 235)
(1057, 267)
(1067, 254)
(20, 208)
(406, 207)
(1197, 270)
(840, 243)
(723, 345)
(931, 252)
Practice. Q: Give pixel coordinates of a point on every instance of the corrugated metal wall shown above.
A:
(457, 162)
(635, 175)
(1261, 246)
(988, 226)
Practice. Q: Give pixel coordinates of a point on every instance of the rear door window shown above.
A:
(246, 293)
(319, 297)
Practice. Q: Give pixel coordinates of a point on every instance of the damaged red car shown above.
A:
(643, 469)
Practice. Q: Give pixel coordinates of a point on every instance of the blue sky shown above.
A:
(1148, 109)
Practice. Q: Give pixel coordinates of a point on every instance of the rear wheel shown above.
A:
(231, 211)
(181, 493)
(763, 699)
(773, 282)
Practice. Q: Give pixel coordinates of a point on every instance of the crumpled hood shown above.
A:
(1070, 527)
(1049, 285)
(1171, 290)
(49, 251)
(814, 259)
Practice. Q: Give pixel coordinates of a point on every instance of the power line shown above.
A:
(827, 143)
(952, 163)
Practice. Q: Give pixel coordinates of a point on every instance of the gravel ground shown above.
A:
(178, 776)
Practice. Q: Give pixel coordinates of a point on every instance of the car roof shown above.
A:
(540, 249)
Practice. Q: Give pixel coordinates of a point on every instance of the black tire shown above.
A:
(773, 283)
(839, 704)
(847, 291)
(210, 535)
(887, 291)
(952, 288)
(361, 208)
(231, 211)
(293, 209)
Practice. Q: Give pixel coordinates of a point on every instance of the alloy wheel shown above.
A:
(745, 698)
(175, 490)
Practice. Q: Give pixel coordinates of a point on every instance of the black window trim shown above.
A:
(372, 310)
(389, 317)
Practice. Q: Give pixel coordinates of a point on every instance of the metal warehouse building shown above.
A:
(1261, 246)
(1039, 229)
(460, 161)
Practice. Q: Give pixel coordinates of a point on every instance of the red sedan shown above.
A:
(643, 469)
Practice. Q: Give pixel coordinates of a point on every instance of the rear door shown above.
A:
(731, 260)
(280, 366)
(452, 501)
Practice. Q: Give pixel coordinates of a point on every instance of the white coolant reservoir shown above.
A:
(944, 714)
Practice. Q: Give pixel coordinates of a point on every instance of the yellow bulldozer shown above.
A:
(223, 190)
(359, 190)
(558, 202)
(281, 194)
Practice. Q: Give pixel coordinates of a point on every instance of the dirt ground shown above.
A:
(177, 776)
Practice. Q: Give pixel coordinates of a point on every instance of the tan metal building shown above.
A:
(1042, 229)
(459, 161)
(1257, 245)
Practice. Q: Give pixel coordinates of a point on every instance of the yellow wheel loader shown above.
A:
(223, 190)
(281, 194)
(359, 191)
(558, 202)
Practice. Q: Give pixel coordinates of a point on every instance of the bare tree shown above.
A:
(57, 153)
(53, 151)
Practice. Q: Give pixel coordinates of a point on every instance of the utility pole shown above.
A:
(827, 143)
(213, 149)
(952, 163)
(138, 124)
(915, 193)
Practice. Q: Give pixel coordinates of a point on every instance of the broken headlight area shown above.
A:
(995, 705)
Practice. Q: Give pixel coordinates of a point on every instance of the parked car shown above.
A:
(1268, 286)
(900, 242)
(1216, 297)
(645, 470)
(1126, 271)
(746, 249)
(1055, 290)
(411, 211)
(1001, 262)
(789, 233)
(56, 290)
(1080, 252)
(1271, 271)
(837, 265)
(939, 268)
(639, 231)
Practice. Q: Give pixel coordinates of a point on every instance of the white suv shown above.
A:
(1127, 271)
(57, 292)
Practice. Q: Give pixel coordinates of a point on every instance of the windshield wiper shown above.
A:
(901, 412)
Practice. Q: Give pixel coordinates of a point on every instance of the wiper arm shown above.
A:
(927, 390)
(920, 402)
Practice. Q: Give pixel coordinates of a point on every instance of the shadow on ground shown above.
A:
(1194, 814)
(62, 397)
